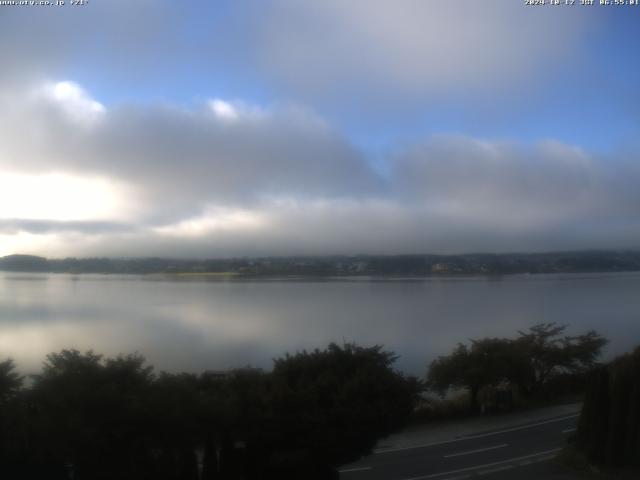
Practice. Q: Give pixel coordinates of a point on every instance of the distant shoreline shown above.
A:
(303, 267)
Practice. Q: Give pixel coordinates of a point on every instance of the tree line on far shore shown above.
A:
(340, 265)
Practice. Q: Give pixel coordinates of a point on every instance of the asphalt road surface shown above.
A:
(489, 454)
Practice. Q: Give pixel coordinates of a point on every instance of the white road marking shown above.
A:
(469, 452)
(495, 470)
(488, 465)
(569, 430)
(355, 469)
(473, 437)
(541, 459)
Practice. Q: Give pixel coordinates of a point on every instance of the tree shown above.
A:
(92, 417)
(529, 362)
(609, 425)
(487, 361)
(174, 410)
(547, 353)
(10, 380)
(11, 433)
(90, 413)
(331, 406)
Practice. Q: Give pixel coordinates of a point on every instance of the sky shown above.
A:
(294, 127)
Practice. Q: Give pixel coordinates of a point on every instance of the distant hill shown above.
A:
(24, 263)
(359, 265)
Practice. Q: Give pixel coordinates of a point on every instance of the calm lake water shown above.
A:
(197, 324)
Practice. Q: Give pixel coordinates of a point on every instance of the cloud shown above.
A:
(228, 178)
(505, 184)
(59, 196)
(37, 43)
(413, 48)
(74, 101)
(170, 162)
(214, 221)
(369, 53)
(15, 226)
(223, 110)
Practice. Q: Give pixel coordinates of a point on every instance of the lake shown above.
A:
(196, 324)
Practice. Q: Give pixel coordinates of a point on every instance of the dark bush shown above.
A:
(609, 427)
(91, 418)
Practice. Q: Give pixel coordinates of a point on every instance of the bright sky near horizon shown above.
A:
(276, 127)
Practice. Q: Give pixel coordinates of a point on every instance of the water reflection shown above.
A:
(198, 324)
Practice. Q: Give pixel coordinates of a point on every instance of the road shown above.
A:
(488, 454)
